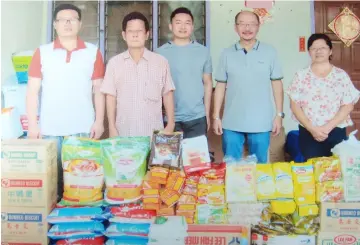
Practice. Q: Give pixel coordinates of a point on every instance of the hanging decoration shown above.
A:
(346, 26)
(263, 8)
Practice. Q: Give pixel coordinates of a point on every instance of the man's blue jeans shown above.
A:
(233, 144)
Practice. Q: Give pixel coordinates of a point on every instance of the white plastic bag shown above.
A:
(349, 153)
(11, 125)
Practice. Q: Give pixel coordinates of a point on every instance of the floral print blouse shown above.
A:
(321, 98)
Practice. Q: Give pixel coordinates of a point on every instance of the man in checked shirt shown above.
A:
(136, 84)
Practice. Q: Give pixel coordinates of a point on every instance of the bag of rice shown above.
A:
(94, 239)
(125, 168)
(75, 230)
(283, 180)
(83, 171)
(265, 183)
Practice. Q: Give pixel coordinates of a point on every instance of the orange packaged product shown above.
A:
(169, 197)
(185, 213)
(186, 203)
(151, 206)
(175, 181)
(159, 175)
(147, 184)
(151, 199)
(215, 175)
(151, 192)
(166, 211)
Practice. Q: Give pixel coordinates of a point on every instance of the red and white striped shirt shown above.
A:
(139, 88)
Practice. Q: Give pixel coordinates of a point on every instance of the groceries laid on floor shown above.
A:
(130, 190)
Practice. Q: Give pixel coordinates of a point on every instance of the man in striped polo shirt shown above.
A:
(69, 73)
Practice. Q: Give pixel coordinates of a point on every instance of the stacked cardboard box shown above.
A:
(28, 190)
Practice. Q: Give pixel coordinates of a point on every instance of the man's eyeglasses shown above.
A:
(251, 25)
(65, 21)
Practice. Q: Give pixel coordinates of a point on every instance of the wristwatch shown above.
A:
(281, 114)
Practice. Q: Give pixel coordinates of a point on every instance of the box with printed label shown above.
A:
(293, 240)
(33, 240)
(29, 190)
(27, 156)
(24, 222)
(217, 235)
(340, 217)
(341, 238)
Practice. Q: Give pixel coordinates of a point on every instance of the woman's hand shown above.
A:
(320, 134)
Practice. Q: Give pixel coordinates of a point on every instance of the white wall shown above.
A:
(23, 27)
(291, 19)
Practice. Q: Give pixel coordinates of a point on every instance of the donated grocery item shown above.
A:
(148, 184)
(349, 153)
(75, 215)
(245, 213)
(330, 191)
(307, 210)
(186, 203)
(83, 171)
(211, 194)
(158, 175)
(120, 241)
(191, 183)
(169, 197)
(75, 230)
(304, 183)
(211, 214)
(274, 224)
(125, 168)
(127, 231)
(175, 181)
(151, 199)
(94, 239)
(21, 62)
(166, 211)
(215, 175)
(165, 149)
(308, 225)
(131, 213)
(195, 154)
(283, 180)
(265, 183)
(327, 169)
(152, 206)
(283, 206)
(240, 180)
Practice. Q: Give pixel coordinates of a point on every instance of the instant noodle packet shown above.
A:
(83, 172)
(265, 183)
(195, 154)
(175, 181)
(169, 197)
(283, 180)
(304, 183)
(283, 207)
(125, 168)
(165, 149)
(158, 175)
(211, 214)
(330, 191)
(186, 203)
(327, 168)
(211, 194)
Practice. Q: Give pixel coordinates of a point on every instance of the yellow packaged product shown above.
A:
(327, 168)
(304, 183)
(153, 199)
(211, 214)
(330, 191)
(169, 197)
(211, 194)
(151, 206)
(159, 175)
(147, 184)
(307, 210)
(283, 206)
(265, 183)
(186, 203)
(175, 181)
(151, 192)
(283, 180)
(166, 211)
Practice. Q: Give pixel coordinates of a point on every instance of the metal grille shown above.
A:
(197, 8)
(90, 19)
(115, 12)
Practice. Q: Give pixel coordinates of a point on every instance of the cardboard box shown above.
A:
(217, 234)
(28, 156)
(33, 240)
(293, 240)
(29, 190)
(340, 217)
(22, 222)
(333, 238)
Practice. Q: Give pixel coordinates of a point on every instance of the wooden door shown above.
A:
(347, 58)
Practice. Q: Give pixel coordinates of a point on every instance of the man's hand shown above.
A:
(277, 125)
(113, 132)
(169, 129)
(34, 132)
(217, 127)
(97, 130)
(319, 133)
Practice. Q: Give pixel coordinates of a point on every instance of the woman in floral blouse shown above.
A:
(322, 97)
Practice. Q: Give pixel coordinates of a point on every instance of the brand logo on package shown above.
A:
(345, 240)
(343, 213)
(16, 217)
(305, 241)
(6, 183)
(21, 155)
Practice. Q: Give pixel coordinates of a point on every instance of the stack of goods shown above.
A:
(168, 230)
(81, 225)
(28, 189)
(129, 223)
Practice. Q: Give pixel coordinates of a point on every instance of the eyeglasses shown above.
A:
(137, 32)
(251, 25)
(65, 21)
(322, 49)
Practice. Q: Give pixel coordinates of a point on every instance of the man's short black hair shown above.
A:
(135, 16)
(181, 10)
(237, 15)
(66, 6)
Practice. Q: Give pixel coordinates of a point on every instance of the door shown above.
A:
(343, 57)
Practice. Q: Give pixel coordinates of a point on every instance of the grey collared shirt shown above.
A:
(249, 100)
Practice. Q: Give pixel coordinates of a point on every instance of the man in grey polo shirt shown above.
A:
(191, 69)
(250, 72)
